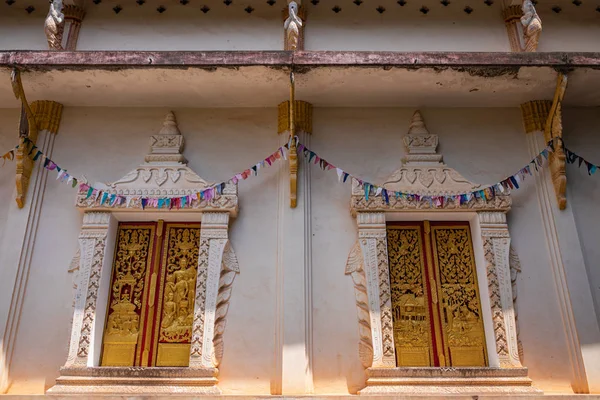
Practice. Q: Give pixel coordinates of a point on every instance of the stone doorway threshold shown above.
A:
(451, 381)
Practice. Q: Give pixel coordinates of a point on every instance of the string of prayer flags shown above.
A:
(573, 158)
(487, 193)
(112, 199)
(371, 190)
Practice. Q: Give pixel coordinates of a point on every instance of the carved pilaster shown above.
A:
(217, 268)
(293, 28)
(512, 19)
(373, 246)
(74, 14)
(496, 247)
(92, 245)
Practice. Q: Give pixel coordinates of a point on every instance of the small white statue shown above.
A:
(54, 25)
(532, 26)
(292, 27)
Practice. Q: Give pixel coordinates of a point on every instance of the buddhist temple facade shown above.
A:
(299, 198)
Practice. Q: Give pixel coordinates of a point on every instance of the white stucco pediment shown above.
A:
(164, 174)
(424, 173)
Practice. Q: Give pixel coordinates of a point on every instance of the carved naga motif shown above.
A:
(532, 26)
(553, 129)
(27, 129)
(55, 25)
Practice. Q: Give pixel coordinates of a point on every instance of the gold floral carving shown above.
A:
(459, 297)
(409, 297)
(355, 267)
(293, 159)
(132, 259)
(553, 129)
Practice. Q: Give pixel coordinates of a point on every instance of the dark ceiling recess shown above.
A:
(424, 10)
(336, 9)
(205, 9)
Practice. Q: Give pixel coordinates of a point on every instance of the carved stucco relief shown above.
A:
(217, 263)
(425, 173)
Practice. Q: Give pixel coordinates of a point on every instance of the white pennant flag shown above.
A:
(340, 173)
(378, 192)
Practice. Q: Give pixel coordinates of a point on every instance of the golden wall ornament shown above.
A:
(294, 117)
(553, 129)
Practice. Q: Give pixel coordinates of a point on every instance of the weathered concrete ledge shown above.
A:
(302, 59)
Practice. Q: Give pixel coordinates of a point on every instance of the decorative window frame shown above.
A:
(423, 172)
(164, 174)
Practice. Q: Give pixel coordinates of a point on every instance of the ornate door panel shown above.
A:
(179, 265)
(435, 300)
(127, 309)
(459, 294)
(410, 300)
(151, 302)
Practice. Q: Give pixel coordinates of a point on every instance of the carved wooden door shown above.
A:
(151, 300)
(435, 297)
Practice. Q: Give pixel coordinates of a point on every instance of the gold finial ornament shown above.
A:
(293, 26)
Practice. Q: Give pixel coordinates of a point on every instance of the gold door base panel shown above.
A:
(134, 381)
(441, 381)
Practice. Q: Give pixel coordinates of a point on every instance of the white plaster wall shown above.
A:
(22, 31)
(181, 27)
(573, 29)
(405, 28)
(581, 127)
(104, 144)
(9, 232)
(486, 145)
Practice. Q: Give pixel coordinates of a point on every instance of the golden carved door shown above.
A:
(435, 297)
(152, 292)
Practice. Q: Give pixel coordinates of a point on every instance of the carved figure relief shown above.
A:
(553, 129)
(292, 26)
(412, 327)
(437, 314)
(180, 261)
(532, 26)
(55, 25)
(459, 296)
(150, 294)
(132, 262)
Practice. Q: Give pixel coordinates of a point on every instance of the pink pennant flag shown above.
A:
(317, 159)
